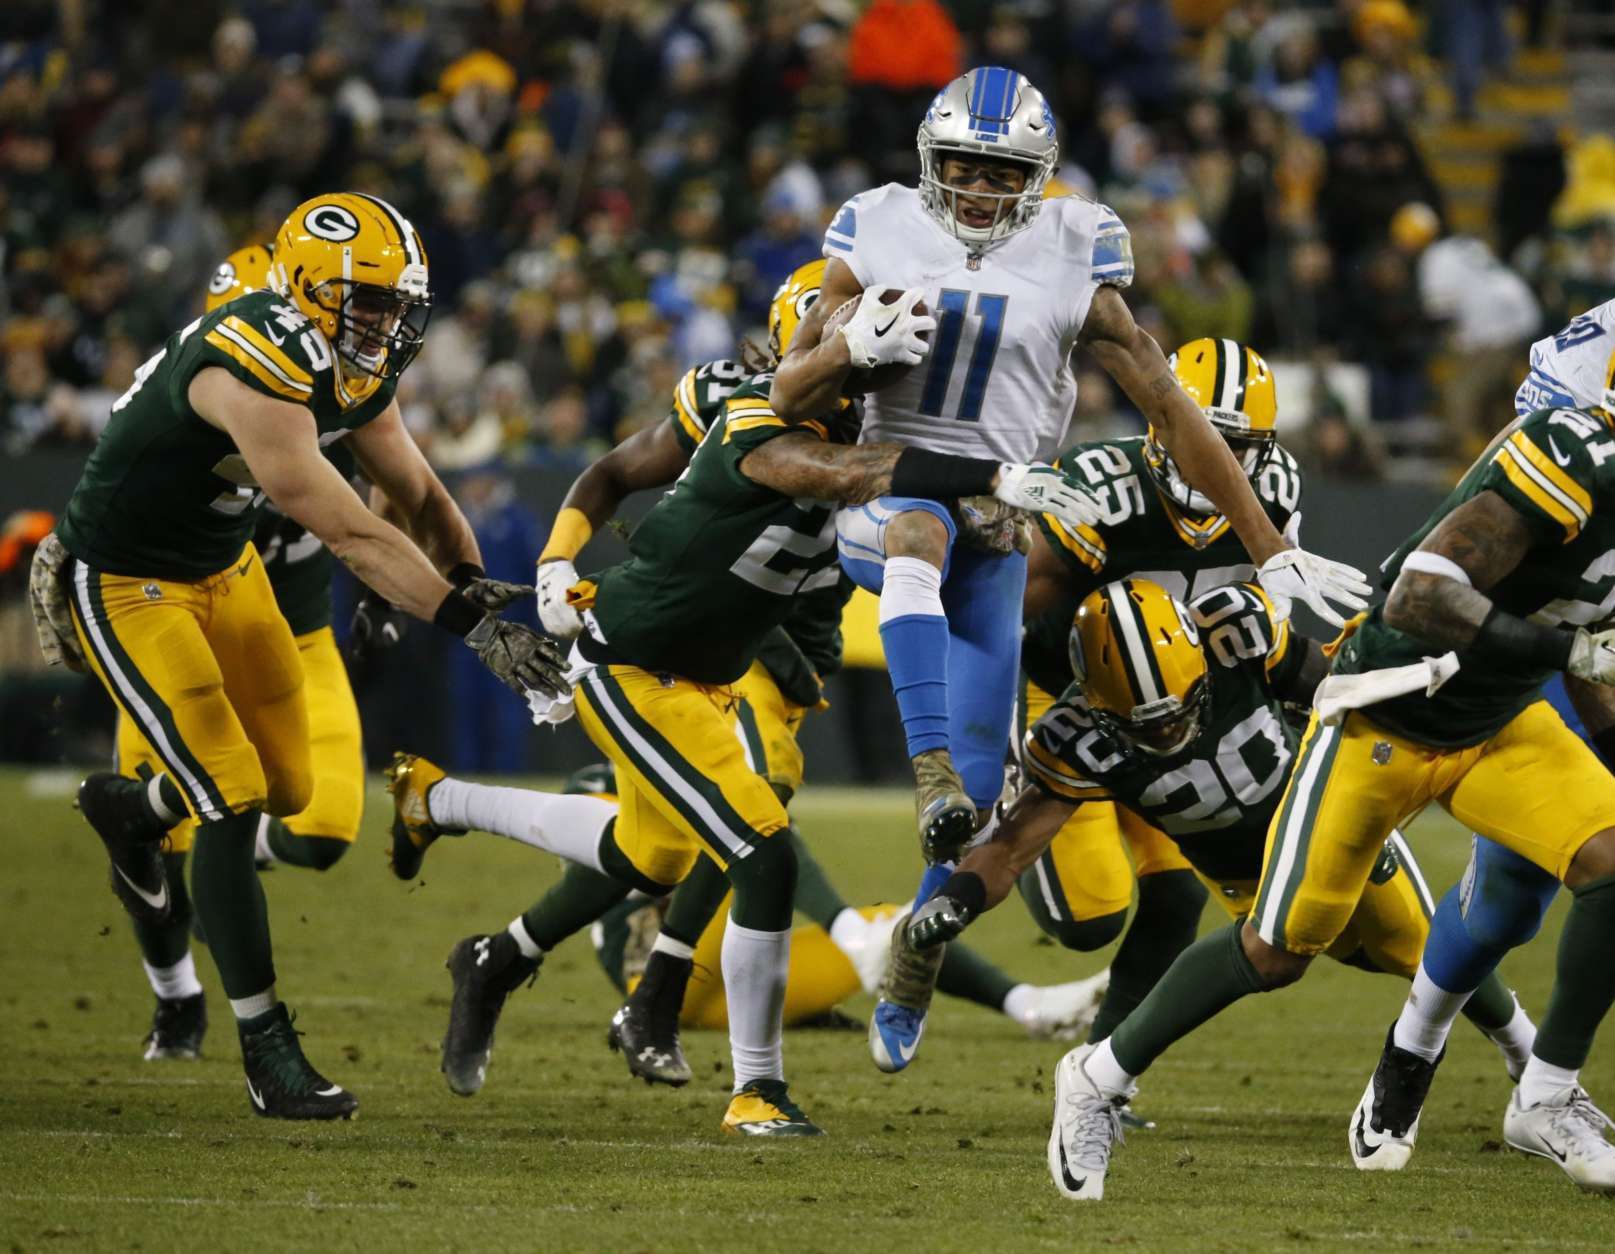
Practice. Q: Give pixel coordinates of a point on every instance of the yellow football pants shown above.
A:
(1089, 869)
(209, 673)
(1535, 787)
(768, 727)
(337, 805)
(683, 784)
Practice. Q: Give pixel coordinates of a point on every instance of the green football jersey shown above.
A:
(1215, 796)
(166, 495)
(720, 560)
(1141, 536)
(1552, 467)
(698, 399)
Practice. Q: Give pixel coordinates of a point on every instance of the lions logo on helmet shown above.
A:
(357, 269)
(243, 271)
(791, 303)
(1234, 388)
(989, 112)
(1136, 653)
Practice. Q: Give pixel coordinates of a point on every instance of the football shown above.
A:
(860, 382)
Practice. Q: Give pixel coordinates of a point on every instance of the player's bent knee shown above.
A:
(917, 533)
(1595, 860)
(1274, 967)
(288, 792)
(1087, 935)
(765, 884)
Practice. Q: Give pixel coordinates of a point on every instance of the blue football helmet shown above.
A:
(996, 112)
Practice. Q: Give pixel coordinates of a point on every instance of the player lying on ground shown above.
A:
(1016, 282)
(1502, 575)
(842, 950)
(1177, 714)
(1501, 899)
(153, 583)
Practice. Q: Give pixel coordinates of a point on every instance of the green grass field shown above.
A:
(561, 1151)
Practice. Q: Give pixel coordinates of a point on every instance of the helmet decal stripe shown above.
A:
(1238, 375)
(1138, 657)
(400, 224)
(1220, 378)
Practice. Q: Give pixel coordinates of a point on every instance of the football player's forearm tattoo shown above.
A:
(804, 466)
(1487, 537)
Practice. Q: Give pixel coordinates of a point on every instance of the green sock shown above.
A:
(965, 973)
(1491, 1006)
(1584, 984)
(695, 901)
(318, 853)
(1163, 926)
(1209, 976)
(165, 945)
(581, 897)
(816, 897)
(230, 903)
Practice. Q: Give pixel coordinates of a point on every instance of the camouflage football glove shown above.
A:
(1592, 656)
(519, 657)
(493, 594)
(48, 599)
(938, 921)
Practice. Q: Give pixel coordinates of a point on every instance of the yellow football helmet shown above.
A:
(1233, 385)
(357, 269)
(1136, 653)
(791, 303)
(243, 271)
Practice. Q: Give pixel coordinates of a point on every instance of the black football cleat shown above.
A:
(1385, 1125)
(646, 1026)
(485, 971)
(177, 1028)
(115, 807)
(280, 1081)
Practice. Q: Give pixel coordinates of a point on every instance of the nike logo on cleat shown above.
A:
(157, 900)
(244, 567)
(905, 1049)
(1071, 1182)
(1364, 1149)
(257, 1100)
(334, 1090)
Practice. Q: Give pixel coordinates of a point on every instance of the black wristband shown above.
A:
(967, 888)
(1604, 745)
(457, 614)
(1506, 637)
(941, 476)
(465, 573)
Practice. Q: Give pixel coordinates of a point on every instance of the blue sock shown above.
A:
(933, 879)
(914, 634)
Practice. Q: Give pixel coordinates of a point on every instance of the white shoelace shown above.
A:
(1582, 1124)
(1095, 1126)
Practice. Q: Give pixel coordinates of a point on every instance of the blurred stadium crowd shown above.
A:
(610, 190)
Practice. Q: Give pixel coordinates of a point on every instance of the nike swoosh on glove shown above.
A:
(879, 334)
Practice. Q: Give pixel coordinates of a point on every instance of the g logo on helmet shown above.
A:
(224, 278)
(331, 222)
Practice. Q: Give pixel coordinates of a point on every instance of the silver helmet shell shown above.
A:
(996, 112)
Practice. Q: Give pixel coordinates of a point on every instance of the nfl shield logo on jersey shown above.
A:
(1382, 752)
(153, 592)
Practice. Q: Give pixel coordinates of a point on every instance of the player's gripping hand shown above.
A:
(938, 921)
(519, 657)
(493, 594)
(558, 617)
(1045, 490)
(376, 626)
(48, 600)
(1293, 574)
(1592, 656)
(879, 334)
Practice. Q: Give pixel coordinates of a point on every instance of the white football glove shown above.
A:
(558, 618)
(1293, 574)
(1592, 656)
(1045, 490)
(48, 600)
(887, 335)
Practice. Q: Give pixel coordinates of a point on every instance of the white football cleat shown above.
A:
(1570, 1131)
(1087, 1125)
(1066, 1011)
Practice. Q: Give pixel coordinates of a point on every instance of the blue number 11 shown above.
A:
(950, 329)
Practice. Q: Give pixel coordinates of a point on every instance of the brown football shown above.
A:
(860, 382)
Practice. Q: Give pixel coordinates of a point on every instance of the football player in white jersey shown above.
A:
(1016, 282)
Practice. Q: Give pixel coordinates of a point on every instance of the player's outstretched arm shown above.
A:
(808, 381)
(1440, 595)
(651, 458)
(1022, 830)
